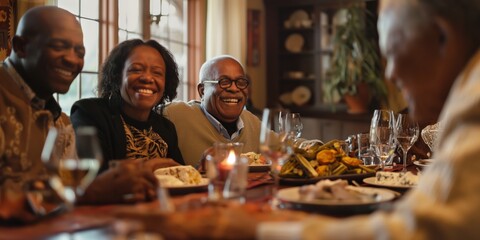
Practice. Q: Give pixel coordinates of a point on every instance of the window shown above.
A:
(129, 20)
(85, 85)
(167, 26)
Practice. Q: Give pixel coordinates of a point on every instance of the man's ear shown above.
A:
(446, 32)
(18, 45)
(200, 89)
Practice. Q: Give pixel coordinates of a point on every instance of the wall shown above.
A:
(325, 129)
(258, 73)
(10, 13)
(7, 26)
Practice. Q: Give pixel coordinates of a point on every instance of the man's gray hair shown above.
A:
(464, 14)
(206, 71)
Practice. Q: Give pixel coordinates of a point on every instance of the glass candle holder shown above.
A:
(225, 165)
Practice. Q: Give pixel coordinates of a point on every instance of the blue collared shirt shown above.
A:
(220, 127)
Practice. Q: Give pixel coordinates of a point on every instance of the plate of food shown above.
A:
(257, 162)
(358, 177)
(317, 161)
(181, 179)
(400, 180)
(335, 197)
(423, 162)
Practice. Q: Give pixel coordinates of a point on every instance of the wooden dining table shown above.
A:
(108, 221)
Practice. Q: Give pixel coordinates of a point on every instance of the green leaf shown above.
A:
(355, 58)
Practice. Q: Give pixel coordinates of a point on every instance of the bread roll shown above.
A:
(184, 175)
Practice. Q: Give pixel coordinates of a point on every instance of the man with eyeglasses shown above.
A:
(220, 115)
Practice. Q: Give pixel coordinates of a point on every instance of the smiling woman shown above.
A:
(136, 77)
(143, 82)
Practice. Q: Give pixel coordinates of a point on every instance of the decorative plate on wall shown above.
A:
(301, 95)
(294, 43)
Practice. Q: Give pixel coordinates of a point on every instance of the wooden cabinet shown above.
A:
(327, 129)
(299, 50)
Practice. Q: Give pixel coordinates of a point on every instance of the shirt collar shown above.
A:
(220, 127)
(36, 102)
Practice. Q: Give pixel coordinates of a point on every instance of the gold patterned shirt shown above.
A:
(142, 141)
(24, 123)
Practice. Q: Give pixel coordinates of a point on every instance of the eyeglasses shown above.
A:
(225, 82)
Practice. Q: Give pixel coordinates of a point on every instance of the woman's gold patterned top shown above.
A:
(142, 141)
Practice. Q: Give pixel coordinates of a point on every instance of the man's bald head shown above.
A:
(207, 71)
(40, 19)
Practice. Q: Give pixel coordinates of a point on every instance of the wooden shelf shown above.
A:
(313, 60)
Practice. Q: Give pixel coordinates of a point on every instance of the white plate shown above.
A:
(286, 98)
(302, 181)
(259, 168)
(371, 181)
(301, 95)
(423, 162)
(290, 198)
(294, 43)
(202, 186)
(299, 15)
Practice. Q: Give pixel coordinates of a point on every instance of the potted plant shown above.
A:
(355, 66)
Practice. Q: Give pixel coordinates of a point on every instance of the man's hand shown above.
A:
(14, 209)
(125, 183)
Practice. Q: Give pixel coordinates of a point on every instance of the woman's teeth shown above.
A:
(145, 91)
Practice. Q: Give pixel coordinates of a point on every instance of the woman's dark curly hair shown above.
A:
(111, 74)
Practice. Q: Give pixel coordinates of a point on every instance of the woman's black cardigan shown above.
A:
(105, 115)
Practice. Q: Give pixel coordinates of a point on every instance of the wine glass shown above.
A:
(296, 125)
(429, 135)
(275, 142)
(382, 136)
(406, 134)
(74, 159)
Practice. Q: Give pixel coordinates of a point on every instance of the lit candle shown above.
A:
(231, 158)
(226, 165)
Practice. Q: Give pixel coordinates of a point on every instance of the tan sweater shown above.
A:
(446, 202)
(196, 133)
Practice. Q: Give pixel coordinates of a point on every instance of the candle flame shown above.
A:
(231, 158)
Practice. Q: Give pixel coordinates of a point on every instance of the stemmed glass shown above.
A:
(429, 135)
(74, 161)
(406, 134)
(296, 125)
(275, 142)
(382, 136)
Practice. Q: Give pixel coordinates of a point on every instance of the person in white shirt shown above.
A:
(432, 53)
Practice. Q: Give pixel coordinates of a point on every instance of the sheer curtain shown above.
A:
(227, 29)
